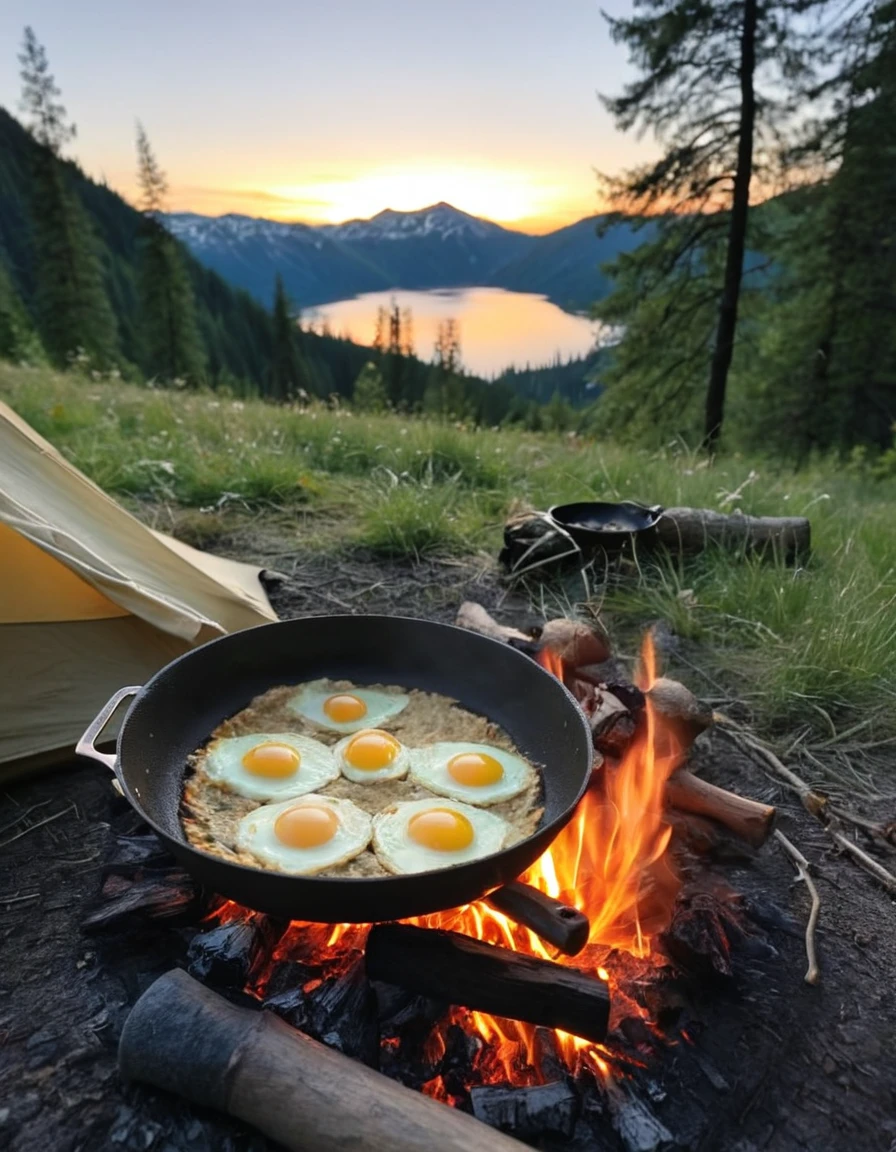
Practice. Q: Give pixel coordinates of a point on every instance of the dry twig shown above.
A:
(862, 858)
(813, 972)
(33, 827)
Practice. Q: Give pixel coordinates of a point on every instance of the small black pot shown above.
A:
(599, 526)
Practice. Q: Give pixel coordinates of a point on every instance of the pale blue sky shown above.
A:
(330, 110)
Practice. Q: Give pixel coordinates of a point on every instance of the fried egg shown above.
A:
(422, 835)
(270, 767)
(477, 773)
(305, 835)
(348, 711)
(371, 755)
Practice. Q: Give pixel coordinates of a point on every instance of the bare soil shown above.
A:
(775, 1064)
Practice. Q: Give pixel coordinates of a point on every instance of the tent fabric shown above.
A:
(91, 598)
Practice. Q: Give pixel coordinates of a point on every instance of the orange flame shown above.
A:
(609, 861)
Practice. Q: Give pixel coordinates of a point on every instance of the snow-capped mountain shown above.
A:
(434, 247)
(441, 220)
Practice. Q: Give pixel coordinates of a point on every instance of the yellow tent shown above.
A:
(91, 599)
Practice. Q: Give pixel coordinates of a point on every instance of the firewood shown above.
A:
(539, 1110)
(574, 642)
(186, 1039)
(342, 1012)
(467, 972)
(225, 955)
(474, 618)
(748, 819)
(677, 704)
(565, 927)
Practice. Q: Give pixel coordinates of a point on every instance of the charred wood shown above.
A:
(341, 1012)
(528, 1113)
(559, 924)
(170, 895)
(227, 955)
(468, 972)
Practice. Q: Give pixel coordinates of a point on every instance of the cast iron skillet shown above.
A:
(598, 524)
(175, 712)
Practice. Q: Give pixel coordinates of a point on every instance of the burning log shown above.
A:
(748, 819)
(541, 1110)
(225, 956)
(470, 973)
(186, 1039)
(559, 924)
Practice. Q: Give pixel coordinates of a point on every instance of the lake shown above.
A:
(497, 328)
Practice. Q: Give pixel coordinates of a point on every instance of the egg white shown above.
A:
(429, 767)
(224, 766)
(398, 853)
(255, 835)
(397, 770)
(381, 706)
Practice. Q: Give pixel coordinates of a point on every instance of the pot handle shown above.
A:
(85, 746)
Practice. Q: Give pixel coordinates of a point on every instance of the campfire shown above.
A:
(469, 1006)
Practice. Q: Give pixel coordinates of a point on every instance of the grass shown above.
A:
(809, 647)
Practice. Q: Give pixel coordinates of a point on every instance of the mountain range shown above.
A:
(435, 247)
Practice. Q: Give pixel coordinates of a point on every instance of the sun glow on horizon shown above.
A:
(509, 196)
(496, 193)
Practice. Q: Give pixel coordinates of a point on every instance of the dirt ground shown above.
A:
(784, 1066)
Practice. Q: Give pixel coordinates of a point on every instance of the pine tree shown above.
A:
(171, 346)
(289, 372)
(72, 305)
(825, 370)
(697, 91)
(369, 393)
(18, 340)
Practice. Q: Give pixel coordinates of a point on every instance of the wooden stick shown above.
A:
(474, 618)
(559, 924)
(186, 1039)
(450, 967)
(748, 819)
(813, 972)
(862, 858)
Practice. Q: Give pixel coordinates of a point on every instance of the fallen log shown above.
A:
(186, 1039)
(458, 969)
(692, 530)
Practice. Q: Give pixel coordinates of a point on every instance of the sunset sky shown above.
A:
(323, 112)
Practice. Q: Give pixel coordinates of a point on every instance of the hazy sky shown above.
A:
(327, 111)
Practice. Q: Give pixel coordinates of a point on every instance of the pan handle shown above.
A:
(559, 924)
(85, 746)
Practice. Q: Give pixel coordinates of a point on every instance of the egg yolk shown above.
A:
(441, 829)
(475, 769)
(306, 826)
(272, 759)
(345, 709)
(371, 750)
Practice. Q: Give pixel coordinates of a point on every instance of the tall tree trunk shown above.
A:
(737, 234)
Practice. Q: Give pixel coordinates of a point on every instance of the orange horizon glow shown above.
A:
(515, 198)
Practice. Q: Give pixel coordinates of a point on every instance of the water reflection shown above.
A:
(497, 328)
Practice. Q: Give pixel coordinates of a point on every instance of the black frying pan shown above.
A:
(175, 712)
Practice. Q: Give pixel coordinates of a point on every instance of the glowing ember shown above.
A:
(610, 861)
